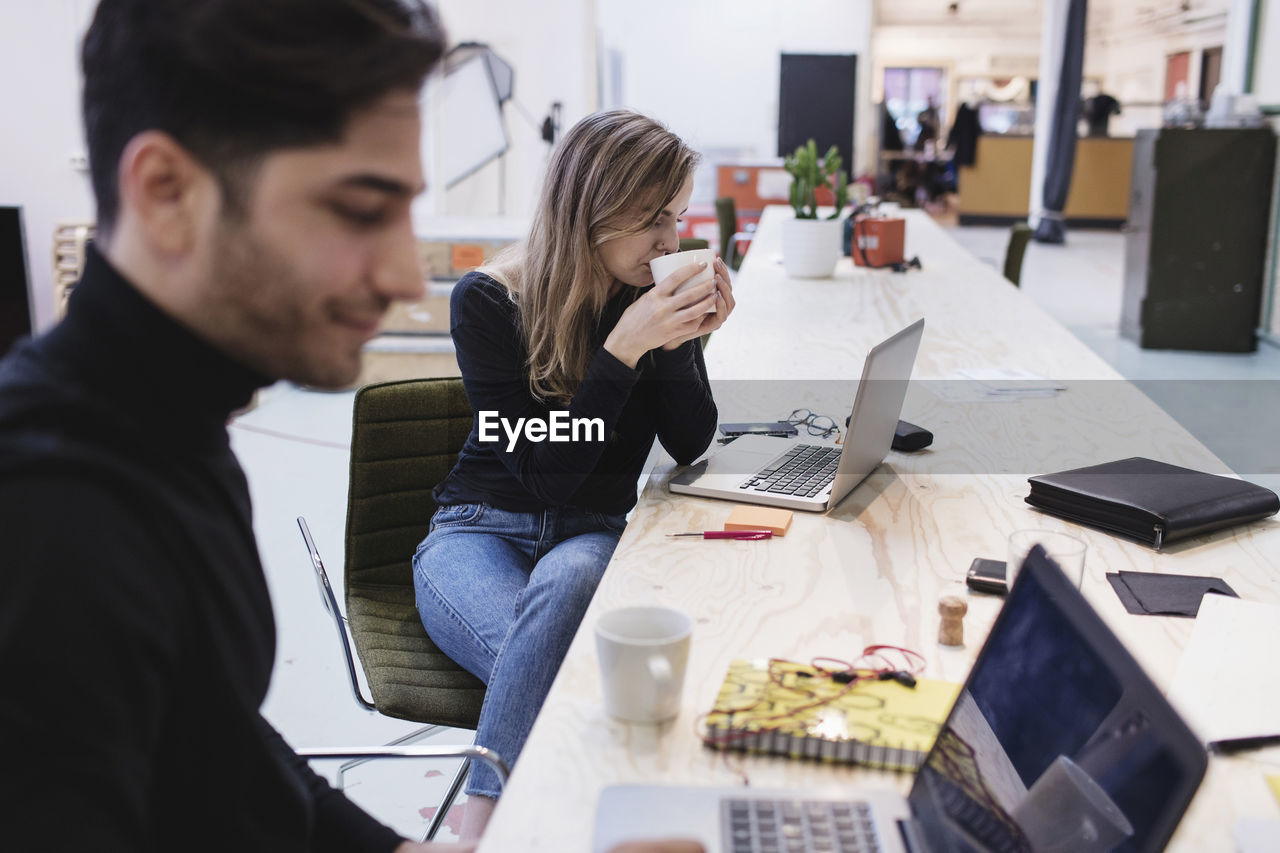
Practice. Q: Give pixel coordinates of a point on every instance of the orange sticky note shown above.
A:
(759, 518)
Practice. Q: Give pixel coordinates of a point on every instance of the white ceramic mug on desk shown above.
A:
(643, 652)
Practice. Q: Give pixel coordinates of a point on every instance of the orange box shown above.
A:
(745, 517)
(467, 256)
(878, 241)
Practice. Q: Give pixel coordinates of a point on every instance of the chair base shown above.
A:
(412, 737)
(361, 754)
(447, 803)
(455, 786)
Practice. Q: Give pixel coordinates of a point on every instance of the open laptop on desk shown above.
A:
(796, 475)
(1058, 741)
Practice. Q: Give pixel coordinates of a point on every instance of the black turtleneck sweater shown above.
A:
(136, 635)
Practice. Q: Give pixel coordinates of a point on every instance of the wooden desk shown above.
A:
(873, 570)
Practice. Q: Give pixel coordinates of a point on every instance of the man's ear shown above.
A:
(165, 191)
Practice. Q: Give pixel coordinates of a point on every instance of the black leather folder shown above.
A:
(1152, 502)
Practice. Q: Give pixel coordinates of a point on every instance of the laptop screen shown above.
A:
(1058, 740)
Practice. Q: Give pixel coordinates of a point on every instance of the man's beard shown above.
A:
(255, 288)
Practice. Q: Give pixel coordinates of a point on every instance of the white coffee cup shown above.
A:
(1065, 550)
(643, 651)
(1066, 811)
(667, 264)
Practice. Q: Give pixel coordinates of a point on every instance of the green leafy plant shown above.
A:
(808, 173)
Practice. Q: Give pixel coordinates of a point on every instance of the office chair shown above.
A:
(1018, 239)
(730, 237)
(690, 243)
(405, 437)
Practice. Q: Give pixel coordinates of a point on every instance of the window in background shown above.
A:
(908, 92)
(1177, 74)
(1210, 72)
(1006, 105)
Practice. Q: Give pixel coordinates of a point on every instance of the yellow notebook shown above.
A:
(787, 708)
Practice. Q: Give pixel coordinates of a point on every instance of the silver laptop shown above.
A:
(795, 474)
(1057, 741)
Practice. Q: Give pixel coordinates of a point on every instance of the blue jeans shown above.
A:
(503, 593)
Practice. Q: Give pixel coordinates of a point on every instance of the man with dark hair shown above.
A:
(253, 162)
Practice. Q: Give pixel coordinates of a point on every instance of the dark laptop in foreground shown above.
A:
(1058, 741)
(796, 475)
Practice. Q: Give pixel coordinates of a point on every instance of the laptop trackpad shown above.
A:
(631, 812)
(736, 461)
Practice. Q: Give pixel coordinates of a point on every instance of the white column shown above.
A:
(1235, 50)
(1052, 44)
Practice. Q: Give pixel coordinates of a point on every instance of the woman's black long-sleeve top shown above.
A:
(667, 396)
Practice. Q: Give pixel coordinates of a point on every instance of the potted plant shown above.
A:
(811, 246)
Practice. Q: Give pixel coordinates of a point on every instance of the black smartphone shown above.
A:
(987, 576)
(780, 428)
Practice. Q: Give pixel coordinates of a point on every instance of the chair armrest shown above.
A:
(488, 756)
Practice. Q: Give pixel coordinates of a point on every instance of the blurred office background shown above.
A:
(715, 72)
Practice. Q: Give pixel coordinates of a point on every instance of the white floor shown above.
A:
(294, 448)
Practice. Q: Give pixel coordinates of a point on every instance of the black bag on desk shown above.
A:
(1152, 502)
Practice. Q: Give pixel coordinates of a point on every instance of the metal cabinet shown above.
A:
(1194, 256)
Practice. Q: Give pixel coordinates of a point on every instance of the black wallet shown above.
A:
(1152, 502)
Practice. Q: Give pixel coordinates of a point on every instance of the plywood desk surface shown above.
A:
(873, 570)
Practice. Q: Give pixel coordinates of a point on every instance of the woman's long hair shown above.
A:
(610, 176)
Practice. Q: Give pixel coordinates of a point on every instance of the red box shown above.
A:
(878, 241)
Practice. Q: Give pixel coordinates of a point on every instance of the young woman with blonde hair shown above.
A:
(567, 327)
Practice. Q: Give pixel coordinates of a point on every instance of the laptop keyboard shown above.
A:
(803, 471)
(787, 826)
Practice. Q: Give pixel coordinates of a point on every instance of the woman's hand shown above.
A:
(724, 307)
(664, 318)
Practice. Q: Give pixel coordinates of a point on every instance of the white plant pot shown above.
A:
(810, 247)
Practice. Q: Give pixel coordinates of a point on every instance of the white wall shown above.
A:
(968, 52)
(709, 69)
(553, 56)
(552, 49)
(39, 108)
(1131, 56)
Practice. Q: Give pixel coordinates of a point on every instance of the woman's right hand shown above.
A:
(661, 315)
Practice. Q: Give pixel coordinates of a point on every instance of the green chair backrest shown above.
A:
(1018, 239)
(405, 437)
(690, 243)
(727, 219)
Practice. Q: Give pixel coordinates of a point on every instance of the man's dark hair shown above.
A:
(233, 80)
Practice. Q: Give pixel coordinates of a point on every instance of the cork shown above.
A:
(951, 629)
